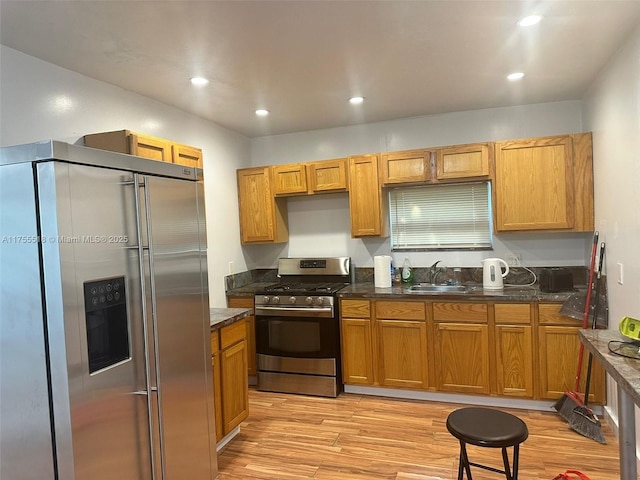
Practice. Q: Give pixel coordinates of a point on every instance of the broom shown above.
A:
(570, 400)
(583, 420)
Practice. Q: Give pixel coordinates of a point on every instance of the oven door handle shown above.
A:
(294, 311)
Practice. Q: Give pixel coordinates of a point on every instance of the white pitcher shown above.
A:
(492, 273)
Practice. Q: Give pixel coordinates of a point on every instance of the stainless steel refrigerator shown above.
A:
(105, 362)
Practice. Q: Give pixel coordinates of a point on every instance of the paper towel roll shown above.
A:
(382, 271)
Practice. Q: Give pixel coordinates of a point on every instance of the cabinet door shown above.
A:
(462, 161)
(402, 353)
(185, 155)
(462, 357)
(234, 385)
(514, 350)
(328, 176)
(357, 354)
(247, 302)
(409, 166)
(150, 147)
(365, 204)
(289, 179)
(217, 395)
(262, 220)
(534, 184)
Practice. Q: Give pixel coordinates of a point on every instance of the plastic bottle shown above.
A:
(407, 272)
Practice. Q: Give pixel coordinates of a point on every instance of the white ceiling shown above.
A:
(302, 60)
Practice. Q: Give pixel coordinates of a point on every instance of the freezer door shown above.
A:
(181, 326)
(96, 334)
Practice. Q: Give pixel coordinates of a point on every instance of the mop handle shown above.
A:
(593, 324)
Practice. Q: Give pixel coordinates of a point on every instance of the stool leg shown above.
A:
(464, 462)
(516, 455)
(505, 460)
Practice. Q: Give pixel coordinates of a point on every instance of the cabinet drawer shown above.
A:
(460, 312)
(232, 334)
(510, 313)
(356, 308)
(215, 342)
(549, 314)
(401, 310)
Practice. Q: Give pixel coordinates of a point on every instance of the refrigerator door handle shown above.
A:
(152, 287)
(145, 325)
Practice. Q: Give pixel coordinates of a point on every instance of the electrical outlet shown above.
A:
(513, 259)
(230, 268)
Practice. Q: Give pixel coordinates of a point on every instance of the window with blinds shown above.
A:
(438, 217)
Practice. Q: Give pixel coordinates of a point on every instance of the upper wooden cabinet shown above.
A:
(132, 143)
(328, 176)
(262, 216)
(544, 184)
(365, 197)
(289, 179)
(463, 162)
(309, 178)
(408, 166)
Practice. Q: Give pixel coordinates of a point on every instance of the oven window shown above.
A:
(294, 337)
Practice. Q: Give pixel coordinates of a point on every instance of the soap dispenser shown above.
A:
(407, 272)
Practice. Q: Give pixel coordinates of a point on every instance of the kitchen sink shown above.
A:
(427, 288)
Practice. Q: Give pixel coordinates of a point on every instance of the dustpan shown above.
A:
(573, 307)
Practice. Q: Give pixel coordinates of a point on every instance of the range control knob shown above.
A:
(276, 299)
(320, 300)
(309, 300)
(265, 299)
(292, 299)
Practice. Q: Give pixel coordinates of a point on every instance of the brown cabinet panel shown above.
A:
(409, 166)
(462, 357)
(463, 162)
(187, 156)
(510, 313)
(400, 310)
(262, 217)
(247, 302)
(514, 360)
(328, 176)
(357, 352)
(460, 312)
(536, 187)
(356, 308)
(235, 387)
(289, 179)
(367, 210)
(402, 353)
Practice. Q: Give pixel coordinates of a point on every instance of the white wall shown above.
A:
(320, 225)
(40, 101)
(612, 112)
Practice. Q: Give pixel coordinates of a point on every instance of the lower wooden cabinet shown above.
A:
(519, 350)
(514, 350)
(402, 344)
(558, 357)
(461, 347)
(247, 302)
(231, 385)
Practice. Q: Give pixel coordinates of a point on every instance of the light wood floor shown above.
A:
(364, 437)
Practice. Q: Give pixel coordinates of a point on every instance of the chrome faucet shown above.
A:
(433, 272)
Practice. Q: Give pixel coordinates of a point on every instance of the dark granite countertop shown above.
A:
(473, 293)
(625, 371)
(221, 317)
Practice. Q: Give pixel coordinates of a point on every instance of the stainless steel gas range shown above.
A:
(297, 327)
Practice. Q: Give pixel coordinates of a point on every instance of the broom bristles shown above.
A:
(567, 404)
(586, 423)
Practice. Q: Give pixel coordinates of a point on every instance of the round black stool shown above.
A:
(487, 427)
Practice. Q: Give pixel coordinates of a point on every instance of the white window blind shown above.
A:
(453, 216)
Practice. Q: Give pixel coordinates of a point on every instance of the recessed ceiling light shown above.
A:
(356, 100)
(199, 81)
(261, 112)
(530, 20)
(515, 76)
